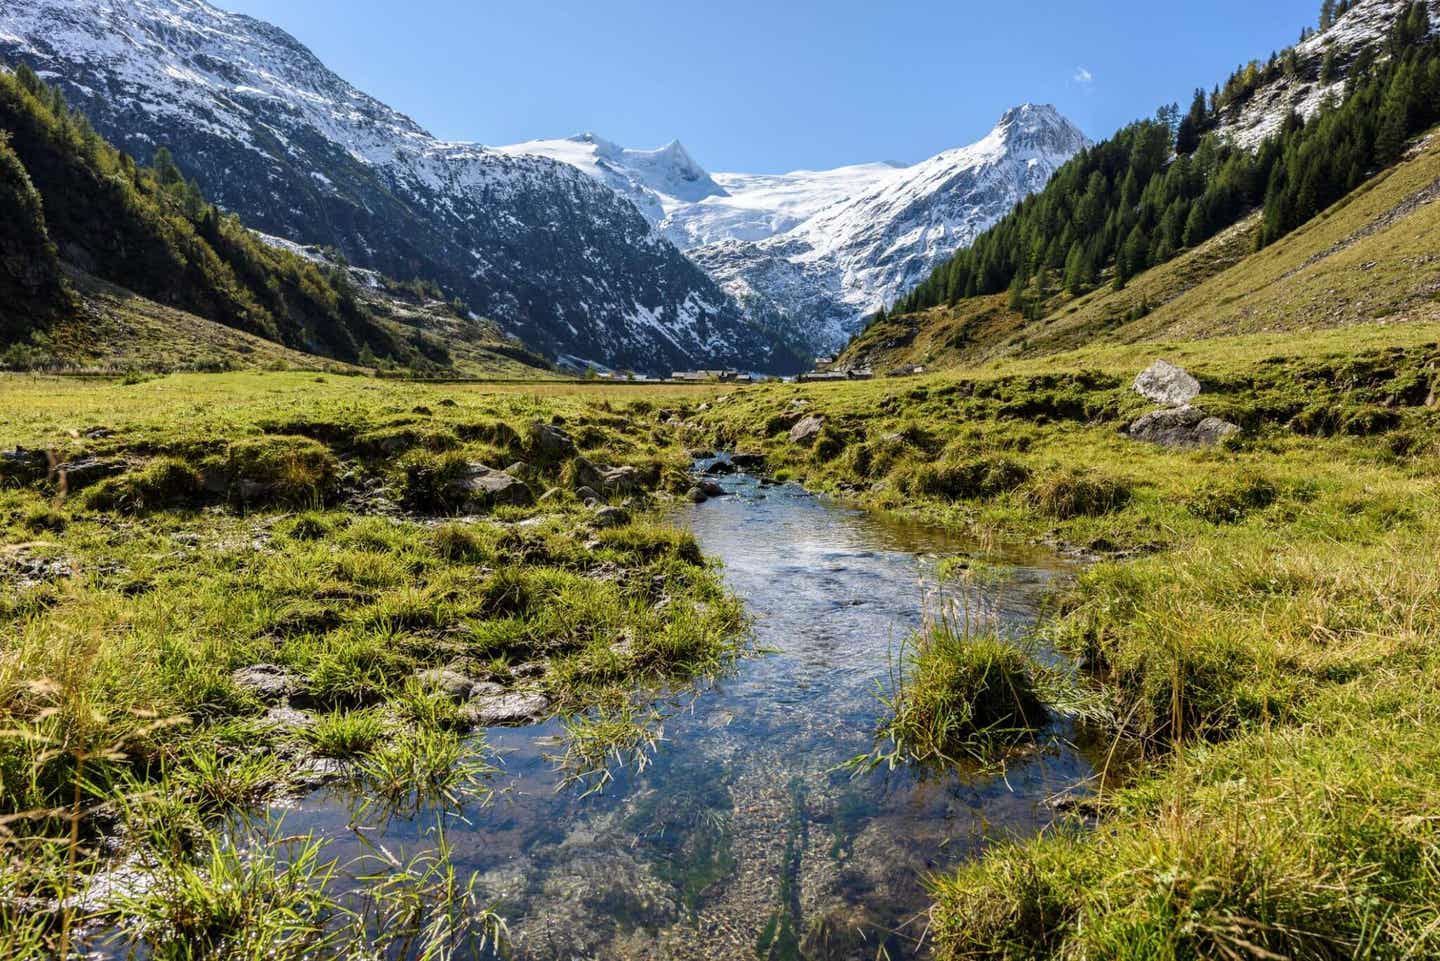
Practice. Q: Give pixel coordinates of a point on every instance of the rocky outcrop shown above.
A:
(1164, 383)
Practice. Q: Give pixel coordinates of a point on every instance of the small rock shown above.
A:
(508, 709)
(521, 470)
(530, 670)
(805, 432)
(271, 683)
(711, 488)
(484, 489)
(697, 453)
(551, 442)
(287, 719)
(587, 495)
(99, 433)
(747, 460)
(1164, 383)
(443, 680)
(1182, 427)
(24, 463)
(422, 410)
(721, 468)
(551, 495)
(447, 402)
(696, 496)
(88, 471)
(611, 517)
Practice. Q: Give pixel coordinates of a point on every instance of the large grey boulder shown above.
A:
(805, 432)
(1164, 383)
(1182, 427)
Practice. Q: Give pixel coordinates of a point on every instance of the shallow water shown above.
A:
(741, 839)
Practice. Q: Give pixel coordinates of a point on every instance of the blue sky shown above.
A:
(757, 86)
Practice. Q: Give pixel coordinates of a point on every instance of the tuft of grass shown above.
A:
(1068, 493)
(960, 696)
(345, 734)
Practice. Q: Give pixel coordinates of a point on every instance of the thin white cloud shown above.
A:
(1083, 77)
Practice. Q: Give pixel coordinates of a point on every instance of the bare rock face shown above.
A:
(806, 430)
(1183, 427)
(1164, 383)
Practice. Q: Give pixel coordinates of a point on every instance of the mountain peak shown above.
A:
(1039, 126)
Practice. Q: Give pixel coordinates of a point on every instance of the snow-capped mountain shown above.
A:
(559, 259)
(820, 279)
(1365, 26)
(692, 207)
(811, 253)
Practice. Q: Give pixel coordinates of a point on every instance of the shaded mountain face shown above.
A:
(812, 253)
(269, 132)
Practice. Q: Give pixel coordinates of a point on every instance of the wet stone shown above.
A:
(512, 708)
(443, 680)
(711, 489)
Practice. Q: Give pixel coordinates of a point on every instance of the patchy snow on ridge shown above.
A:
(1365, 25)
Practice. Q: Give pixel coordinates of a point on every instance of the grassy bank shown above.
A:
(1260, 625)
(217, 589)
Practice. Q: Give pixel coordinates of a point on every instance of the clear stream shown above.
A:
(741, 839)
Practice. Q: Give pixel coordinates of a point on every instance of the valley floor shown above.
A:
(270, 561)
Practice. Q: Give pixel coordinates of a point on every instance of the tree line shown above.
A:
(150, 230)
(1163, 185)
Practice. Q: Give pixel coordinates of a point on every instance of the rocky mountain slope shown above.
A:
(1361, 31)
(812, 252)
(821, 278)
(270, 133)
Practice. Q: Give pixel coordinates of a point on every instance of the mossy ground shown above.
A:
(1260, 620)
(262, 519)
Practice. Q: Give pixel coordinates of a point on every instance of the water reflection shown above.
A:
(741, 838)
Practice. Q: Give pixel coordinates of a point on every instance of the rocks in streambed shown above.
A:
(748, 460)
(585, 473)
(721, 468)
(711, 489)
(270, 683)
(1165, 383)
(506, 709)
(806, 430)
(1182, 427)
(696, 496)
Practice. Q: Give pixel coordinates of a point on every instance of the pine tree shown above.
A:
(1327, 14)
